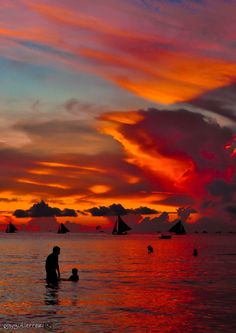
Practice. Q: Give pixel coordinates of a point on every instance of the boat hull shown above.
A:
(165, 237)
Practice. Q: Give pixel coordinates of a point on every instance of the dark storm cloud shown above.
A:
(221, 101)
(223, 189)
(118, 209)
(225, 194)
(20, 213)
(100, 211)
(232, 210)
(176, 135)
(176, 200)
(208, 204)
(42, 209)
(144, 211)
(68, 212)
(213, 224)
(159, 223)
(181, 135)
(194, 149)
(80, 212)
(185, 212)
(61, 136)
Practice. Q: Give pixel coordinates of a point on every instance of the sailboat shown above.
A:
(62, 229)
(11, 228)
(120, 227)
(178, 228)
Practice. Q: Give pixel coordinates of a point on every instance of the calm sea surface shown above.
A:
(121, 287)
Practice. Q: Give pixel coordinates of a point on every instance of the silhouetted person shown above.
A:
(52, 266)
(195, 252)
(74, 277)
(150, 249)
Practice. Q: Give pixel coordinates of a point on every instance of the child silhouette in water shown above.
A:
(74, 277)
(150, 249)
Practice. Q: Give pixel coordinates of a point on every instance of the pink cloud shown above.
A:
(165, 52)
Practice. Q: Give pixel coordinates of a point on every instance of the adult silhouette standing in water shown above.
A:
(52, 266)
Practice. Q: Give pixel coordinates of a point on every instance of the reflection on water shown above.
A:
(74, 300)
(122, 288)
(51, 295)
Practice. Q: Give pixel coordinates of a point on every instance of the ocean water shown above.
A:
(122, 288)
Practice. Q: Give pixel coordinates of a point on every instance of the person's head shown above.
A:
(150, 248)
(56, 250)
(74, 271)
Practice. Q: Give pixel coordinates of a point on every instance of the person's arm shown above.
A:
(57, 268)
(46, 265)
(58, 271)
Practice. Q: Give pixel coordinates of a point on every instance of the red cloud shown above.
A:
(181, 150)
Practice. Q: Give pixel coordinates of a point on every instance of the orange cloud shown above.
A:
(72, 166)
(142, 59)
(33, 182)
(41, 171)
(99, 189)
(168, 77)
(173, 169)
(164, 146)
(153, 54)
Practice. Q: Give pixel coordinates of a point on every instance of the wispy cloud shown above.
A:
(167, 55)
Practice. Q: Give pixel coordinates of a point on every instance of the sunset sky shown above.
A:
(130, 102)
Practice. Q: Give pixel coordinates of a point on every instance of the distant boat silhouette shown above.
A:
(62, 229)
(11, 228)
(120, 227)
(165, 236)
(178, 228)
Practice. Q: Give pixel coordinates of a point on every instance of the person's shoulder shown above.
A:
(51, 257)
(73, 278)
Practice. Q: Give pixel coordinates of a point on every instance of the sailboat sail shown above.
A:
(120, 227)
(11, 228)
(178, 229)
(62, 229)
(114, 231)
